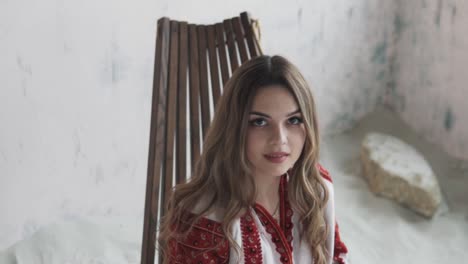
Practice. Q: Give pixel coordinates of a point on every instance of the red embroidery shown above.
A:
(340, 247)
(283, 247)
(205, 243)
(251, 240)
(286, 212)
(281, 234)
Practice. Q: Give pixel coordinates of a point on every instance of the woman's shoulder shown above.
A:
(324, 172)
(207, 224)
(328, 180)
(213, 214)
(204, 242)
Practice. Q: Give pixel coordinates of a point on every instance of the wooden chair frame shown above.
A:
(192, 64)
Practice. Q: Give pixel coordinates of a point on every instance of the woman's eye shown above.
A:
(258, 122)
(295, 120)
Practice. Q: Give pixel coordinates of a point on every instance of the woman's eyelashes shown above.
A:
(260, 122)
(295, 120)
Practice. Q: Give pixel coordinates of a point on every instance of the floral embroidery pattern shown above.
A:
(204, 244)
(251, 240)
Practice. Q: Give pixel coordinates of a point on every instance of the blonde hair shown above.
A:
(224, 171)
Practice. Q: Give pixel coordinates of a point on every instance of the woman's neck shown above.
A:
(267, 192)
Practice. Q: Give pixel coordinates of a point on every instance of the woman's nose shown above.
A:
(279, 135)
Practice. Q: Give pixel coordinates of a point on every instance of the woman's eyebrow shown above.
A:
(265, 115)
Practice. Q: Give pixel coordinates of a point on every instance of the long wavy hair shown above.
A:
(222, 178)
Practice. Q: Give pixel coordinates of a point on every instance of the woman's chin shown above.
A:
(276, 172)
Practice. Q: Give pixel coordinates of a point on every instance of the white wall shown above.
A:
(76, 80)
(429, 83)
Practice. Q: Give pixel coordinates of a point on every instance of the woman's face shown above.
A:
(276, 133)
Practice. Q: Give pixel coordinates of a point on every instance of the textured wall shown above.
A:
(428, 83)
(75, 89)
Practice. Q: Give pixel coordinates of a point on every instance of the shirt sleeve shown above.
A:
(205, 243)
(340, 255)
(334, 243)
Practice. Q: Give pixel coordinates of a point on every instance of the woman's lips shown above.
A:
(276, 157)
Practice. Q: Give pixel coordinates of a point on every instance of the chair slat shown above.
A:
(181, 168)
(194, 94)
(236, 23)
(204, 93)
(214, 68)
(222, 52)
(156, 141)
(231, 44)
(249, 35)
(171, 110)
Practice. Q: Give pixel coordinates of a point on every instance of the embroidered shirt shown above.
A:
(262, 238)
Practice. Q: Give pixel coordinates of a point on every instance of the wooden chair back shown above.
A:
(192, 64)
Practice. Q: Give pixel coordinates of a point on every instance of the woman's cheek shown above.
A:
(258, 134)
(254, 139)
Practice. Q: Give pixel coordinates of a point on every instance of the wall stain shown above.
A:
(25, 68)
(438, 13)
(380, 75)
(380, 101)
(78, 153)
(99, 177)
(299, 16)
(399, 25)
(454, 13)
(414, 39)
(380, 53)
(3, 155)
(114, 70)
(26, 71)
(357, 106)
(449, 120)
(115, 64)
(395, 101)
(350, 12)
(342, 122)
(400, 102)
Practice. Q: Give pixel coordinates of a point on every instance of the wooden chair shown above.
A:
(192, 64)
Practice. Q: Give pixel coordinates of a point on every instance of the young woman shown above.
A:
(257, 194)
